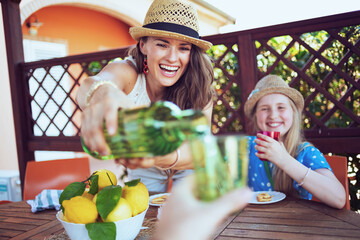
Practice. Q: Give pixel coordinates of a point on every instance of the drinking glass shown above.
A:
(220, 164)
(274, 135)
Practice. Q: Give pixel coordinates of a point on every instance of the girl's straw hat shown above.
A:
(171, 19)
(272, 84)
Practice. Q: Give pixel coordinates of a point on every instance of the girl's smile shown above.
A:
(274, 113)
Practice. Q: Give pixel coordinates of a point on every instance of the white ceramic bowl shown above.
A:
(126, 229)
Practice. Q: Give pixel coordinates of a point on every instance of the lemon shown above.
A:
(87, 194)
(106, 178)
(121, 211)
(137, 196)
(80, 210)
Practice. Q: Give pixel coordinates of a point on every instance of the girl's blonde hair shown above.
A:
(292, 140)
(194, 88)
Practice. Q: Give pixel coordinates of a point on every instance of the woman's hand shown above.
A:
(134, 163)
(160, 161)
(104, 103)
(270, 149)
(185, 217)
(103, 106)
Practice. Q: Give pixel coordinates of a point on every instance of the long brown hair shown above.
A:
(194, 88)
(291, 140)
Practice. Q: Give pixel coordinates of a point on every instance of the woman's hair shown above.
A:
(292, 140)
(194, 88)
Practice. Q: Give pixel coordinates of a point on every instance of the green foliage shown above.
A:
(95, 67)
(229, 93)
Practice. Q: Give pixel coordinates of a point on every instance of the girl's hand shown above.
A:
(103, 106)
(270, 149)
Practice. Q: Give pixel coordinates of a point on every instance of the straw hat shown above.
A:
(172, 19)
(272, 84)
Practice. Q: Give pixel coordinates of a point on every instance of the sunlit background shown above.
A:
(260, 13)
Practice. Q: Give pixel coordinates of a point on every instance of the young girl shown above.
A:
(296, 167)
(168, 63)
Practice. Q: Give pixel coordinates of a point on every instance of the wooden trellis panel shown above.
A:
(52, 111)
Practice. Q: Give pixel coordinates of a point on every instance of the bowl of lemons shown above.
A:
(98, 208)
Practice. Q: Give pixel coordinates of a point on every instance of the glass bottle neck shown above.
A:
(190, 122)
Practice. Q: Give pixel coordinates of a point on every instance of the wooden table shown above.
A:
(288, 219)
(18, 222)
(291, 219)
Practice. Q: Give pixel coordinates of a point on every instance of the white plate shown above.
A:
(155, 196)
(277, 197)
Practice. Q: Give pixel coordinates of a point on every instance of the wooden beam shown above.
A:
(55, 144)
(18, 87)
(338, 145)
(248, 77)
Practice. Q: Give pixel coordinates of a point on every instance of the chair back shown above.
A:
(53, 174)
(340, 168)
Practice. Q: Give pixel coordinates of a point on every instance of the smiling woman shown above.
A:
(168, 63)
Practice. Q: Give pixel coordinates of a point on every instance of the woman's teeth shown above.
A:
(169, 68)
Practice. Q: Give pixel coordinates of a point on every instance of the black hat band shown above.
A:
(172, 27)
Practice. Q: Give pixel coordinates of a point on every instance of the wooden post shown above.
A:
(18, 87)
(248, 68)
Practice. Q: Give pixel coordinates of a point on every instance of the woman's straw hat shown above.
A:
(171, 19)
(272, 84)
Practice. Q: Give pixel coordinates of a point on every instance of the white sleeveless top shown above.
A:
(153, 178)
(139, 94)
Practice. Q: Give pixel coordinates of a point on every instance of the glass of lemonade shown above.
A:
(220, 164)
(274, 135)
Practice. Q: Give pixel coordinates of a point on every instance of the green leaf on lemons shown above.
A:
(94, 186)
(72, 190)
(101, 231)
(107, 199)
(132, 183)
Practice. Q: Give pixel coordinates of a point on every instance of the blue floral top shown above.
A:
(258, 180)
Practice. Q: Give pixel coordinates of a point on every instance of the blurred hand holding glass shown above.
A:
(220, 164)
